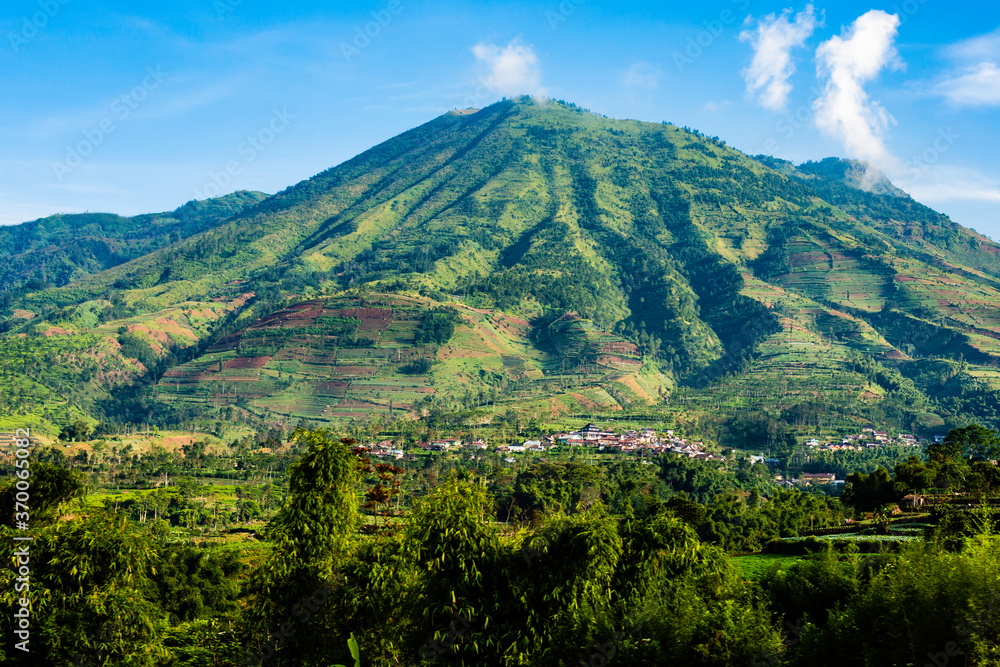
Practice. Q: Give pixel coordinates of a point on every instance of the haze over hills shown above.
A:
(527, 255)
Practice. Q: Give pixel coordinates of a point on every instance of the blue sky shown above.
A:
(125, 108)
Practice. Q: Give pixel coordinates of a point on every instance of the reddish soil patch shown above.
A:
(175, 442)
(230, 342)
(328, 360)
(619, 347)
(584, 401)
(331, 389)
(609, 360)
(361, 371)
(353, 403)
(56, 331)
(904, 279)
(246, 362)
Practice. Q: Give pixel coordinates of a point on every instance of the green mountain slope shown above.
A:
(591, 265)
(63, 248)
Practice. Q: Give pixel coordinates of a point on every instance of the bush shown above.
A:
(420, 366)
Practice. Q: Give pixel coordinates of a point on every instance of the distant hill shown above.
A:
(63, 248)
(578, 264)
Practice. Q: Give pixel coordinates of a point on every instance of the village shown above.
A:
(649, 441)
(870, 438)
(645, 440)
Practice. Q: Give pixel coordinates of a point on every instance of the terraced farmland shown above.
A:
(340, 358)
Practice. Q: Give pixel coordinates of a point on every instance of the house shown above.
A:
(479, 443)
(912, 501)
(819, 477)
(592, 432)
(812, 442)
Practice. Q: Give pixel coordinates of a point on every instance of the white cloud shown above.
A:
(773, 40)
(641, 75)
(510, 70)
(942, 183)
(844, 110)
(976, 48)
(717, 106)
(975, 81)
(978, 85)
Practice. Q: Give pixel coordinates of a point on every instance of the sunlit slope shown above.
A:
(634, 256)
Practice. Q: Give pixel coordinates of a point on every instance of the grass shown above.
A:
(754, 566)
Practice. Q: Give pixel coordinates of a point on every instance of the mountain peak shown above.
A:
(858, 174)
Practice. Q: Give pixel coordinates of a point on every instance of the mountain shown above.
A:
(63, 248)
(545, 259)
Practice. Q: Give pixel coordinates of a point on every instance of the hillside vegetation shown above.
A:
(576, 263)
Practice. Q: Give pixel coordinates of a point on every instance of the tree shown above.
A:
(91, 583)
(914, 476)
(974, 442)
(78, 431)
(310, 535)
(866, 493)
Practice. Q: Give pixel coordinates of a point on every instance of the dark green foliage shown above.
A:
(63, 248)
(551, 488)
(50, 486)
(96, 572)
(310, 535)
(193, 584)
(135, 347)
(437, 327)
(419, 366)
(78, 431)
(812, 588)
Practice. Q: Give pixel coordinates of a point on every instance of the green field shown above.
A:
(754, 566)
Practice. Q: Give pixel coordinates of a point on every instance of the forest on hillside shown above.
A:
(545, 563)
